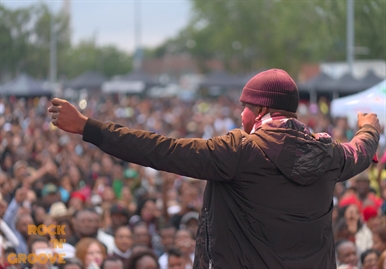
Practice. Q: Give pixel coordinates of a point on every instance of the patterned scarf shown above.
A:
(268, 118)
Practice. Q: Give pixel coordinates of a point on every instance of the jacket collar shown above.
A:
(277, 115)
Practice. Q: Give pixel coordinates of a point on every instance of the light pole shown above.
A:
(53, 64)
(137, 37)
(350, 35)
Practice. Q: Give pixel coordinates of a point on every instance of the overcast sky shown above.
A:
(112, 21)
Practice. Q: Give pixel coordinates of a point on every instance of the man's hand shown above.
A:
(65, 116)
(370, 119)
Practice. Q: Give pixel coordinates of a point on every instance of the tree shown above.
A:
(87, 56)
(248, 35)
(25, 36)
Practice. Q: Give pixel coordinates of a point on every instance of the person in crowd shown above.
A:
(379, 239)
(18, 219)
(119, 216)
(86, 223)
(141, 235)
(71, 263)
(62, 217)
(65, 188)
(112, 263)
(143, 259)
(190, 222)
(175, 259)
(167, 234)
(365, 195)
(38, 214)
(341, 231)
(40, 245)
(7, 234)
(189, 202)
(90, 251)
(127, 198)
(346, 253)
(50, 194)
(370, 259)
(382, 260)
(184, 241)
(123, 240)
(246, 171)
(8, 261)
(76, 201)
(351, 226)
(148, 213)
(364, 236)
(139, 248)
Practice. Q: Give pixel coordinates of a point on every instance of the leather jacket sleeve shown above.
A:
(356, 156)
(212, 159)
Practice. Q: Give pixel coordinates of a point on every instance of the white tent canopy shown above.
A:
(121, 86)
(372, 100)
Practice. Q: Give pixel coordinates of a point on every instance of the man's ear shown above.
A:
(262, 112)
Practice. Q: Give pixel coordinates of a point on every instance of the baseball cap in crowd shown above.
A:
(118, 209)
(58, 209)
(20, 164)
(49, 189)
(349, 200)
(273, 88)
(78, 195)
(369, 212)
(192, 215)
(130, 173)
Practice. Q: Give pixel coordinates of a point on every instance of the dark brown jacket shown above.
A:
(268, 198)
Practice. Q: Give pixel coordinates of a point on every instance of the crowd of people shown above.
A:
(111, 214)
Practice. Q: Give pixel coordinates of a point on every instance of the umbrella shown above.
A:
(372, 100)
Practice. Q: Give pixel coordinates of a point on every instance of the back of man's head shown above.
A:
(273, 88)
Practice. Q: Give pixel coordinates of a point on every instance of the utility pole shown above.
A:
(350, 35)
(137, 36)
(53, 64)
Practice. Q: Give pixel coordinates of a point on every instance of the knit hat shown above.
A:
(273, 88)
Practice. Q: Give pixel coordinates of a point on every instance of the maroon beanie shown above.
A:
(273, 88)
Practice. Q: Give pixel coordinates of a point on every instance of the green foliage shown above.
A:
(25, 36)
(244, 35)
(87, 56)
(248, 35)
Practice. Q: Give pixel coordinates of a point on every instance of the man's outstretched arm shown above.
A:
(213, 159)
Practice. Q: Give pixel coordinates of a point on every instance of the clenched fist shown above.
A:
(371, 119)
(65, 116)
